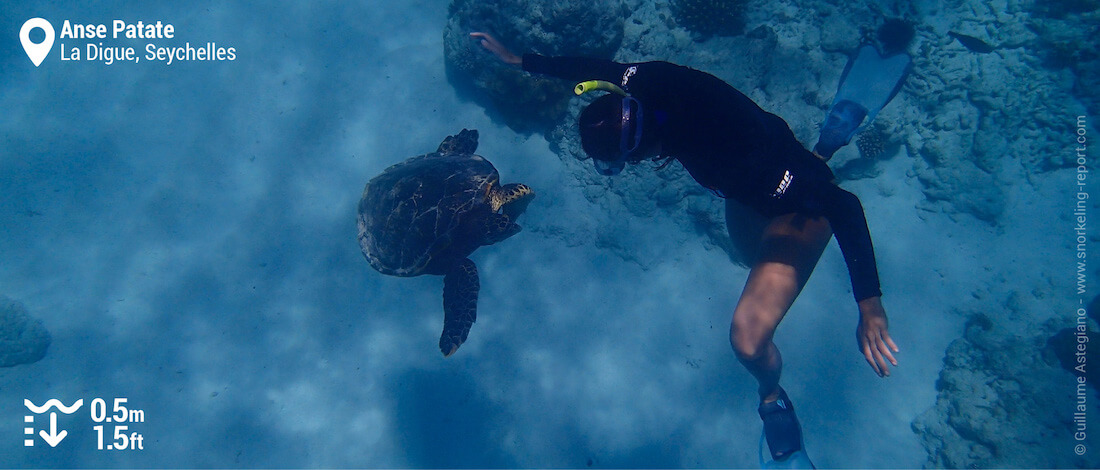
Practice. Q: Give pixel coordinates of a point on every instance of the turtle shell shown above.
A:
(425, 213)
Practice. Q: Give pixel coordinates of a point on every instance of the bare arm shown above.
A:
(493, 45)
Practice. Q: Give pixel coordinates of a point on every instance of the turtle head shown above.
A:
(511, 199)
(463, 142)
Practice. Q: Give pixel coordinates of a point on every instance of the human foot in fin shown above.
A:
(781, 427)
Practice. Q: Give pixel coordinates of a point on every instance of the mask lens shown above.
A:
(630, 138)
(631, 135)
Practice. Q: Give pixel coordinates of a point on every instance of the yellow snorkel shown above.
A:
(592, 85)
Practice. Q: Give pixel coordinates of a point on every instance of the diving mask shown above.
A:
(630, 125)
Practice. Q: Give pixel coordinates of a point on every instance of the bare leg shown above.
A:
(790, 247)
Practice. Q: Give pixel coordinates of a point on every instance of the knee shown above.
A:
(748, 345)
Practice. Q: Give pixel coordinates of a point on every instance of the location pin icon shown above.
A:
(37, 52)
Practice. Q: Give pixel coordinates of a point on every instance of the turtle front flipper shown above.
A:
(460, 287)
(512, 199)
(497, 228)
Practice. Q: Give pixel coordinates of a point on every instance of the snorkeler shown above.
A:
(781, 201)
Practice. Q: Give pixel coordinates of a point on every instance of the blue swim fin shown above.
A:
(869, 82)
(797, 459)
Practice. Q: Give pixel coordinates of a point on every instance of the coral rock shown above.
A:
(708, 18)
(524, 102)
(23, 340)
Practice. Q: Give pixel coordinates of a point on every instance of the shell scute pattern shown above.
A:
(414, 214)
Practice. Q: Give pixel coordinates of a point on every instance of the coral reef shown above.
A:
(522, 101)
(976, 118)
(708, 18)
(1060, 27)
(23, 340)
(1001, 405)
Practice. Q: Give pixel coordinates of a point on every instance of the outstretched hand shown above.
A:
(874, 340)
(489, 42)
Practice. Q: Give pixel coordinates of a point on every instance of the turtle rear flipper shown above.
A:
(460, 288)
(463, 142)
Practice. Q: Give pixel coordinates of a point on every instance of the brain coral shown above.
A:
(872, 141)
(23, 340)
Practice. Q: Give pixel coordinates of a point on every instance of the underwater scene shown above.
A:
(549, 234)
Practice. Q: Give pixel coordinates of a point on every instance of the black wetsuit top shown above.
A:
(730, 145)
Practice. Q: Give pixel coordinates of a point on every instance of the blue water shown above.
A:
(186, 232)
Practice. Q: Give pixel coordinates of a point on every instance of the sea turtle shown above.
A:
(427, 214)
